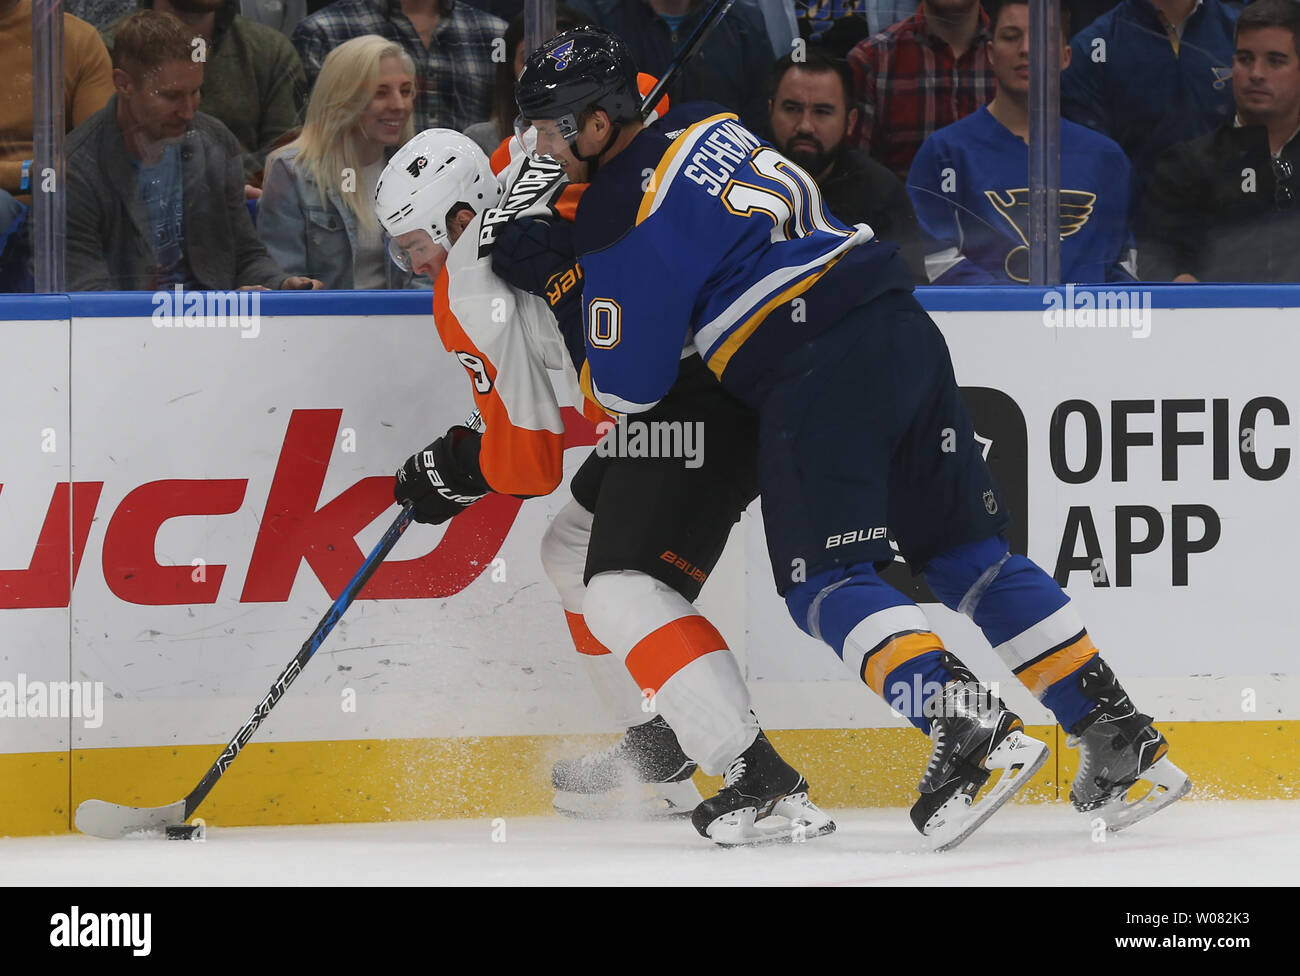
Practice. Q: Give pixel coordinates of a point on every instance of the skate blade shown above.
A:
(1159, 786)
(797, 818)
(639, 801)
(1018, 757)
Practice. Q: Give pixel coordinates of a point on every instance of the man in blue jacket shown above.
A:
(1150, 73)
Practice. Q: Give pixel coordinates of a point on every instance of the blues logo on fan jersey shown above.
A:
(969, 187)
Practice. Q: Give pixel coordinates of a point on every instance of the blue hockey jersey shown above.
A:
(700, 236)
(1135, 79)
(969, 185)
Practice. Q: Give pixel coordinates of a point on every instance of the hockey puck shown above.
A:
(183, 831)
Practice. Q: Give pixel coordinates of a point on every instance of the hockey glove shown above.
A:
(538, 256)
(444, 479)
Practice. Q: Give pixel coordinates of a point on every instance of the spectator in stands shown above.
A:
(87, 86)
(837, 26)
(99, 13)
(1151, 73)
(780, 24)
(16, 270)
(811, 116)
(279, 15)
(921, 74)
(253, 80)
(1223, 207)
(731, 67)
(970, 180)
(490, 134)
(450, 42)
(316, 215)
(1084, 12)
(155, 187)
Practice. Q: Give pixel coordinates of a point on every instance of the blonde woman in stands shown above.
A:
(315, 215)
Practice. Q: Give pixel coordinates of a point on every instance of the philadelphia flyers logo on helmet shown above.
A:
(416, 165)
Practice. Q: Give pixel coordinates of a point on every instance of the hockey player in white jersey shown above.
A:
(443, 208)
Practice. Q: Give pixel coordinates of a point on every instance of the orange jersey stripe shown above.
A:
(1040, 675)
(663, 653)
(514, 460)
(500, 157)
(892, 654)
(567, 203)
(583, 639)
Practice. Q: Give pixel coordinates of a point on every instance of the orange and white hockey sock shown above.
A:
(679, 659)
(564, 557)
(620, 694)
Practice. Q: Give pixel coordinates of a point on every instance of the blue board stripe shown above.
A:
(420, 302)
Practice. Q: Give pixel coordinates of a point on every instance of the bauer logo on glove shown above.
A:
(444, 479)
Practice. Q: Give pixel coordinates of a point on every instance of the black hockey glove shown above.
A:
(444, 479)
(538, 256)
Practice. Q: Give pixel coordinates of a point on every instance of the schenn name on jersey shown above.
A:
(700, 236)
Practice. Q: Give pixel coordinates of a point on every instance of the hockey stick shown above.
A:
(113, 820)
(702, 31)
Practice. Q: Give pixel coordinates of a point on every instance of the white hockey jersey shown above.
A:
(508, 339)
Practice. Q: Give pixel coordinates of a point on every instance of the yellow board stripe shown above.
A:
(894, 653)
(417, 779)
(658, 184)
(1043, 673)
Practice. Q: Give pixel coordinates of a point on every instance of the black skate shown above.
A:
(644, 774)
(974, 736)
(1118, 749)
(757, 786)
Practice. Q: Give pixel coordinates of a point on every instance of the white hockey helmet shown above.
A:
(436, 170)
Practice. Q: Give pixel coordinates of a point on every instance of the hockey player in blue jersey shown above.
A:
(969, 183)
(696, 235)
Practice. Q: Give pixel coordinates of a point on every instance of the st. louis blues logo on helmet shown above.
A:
(561, 55)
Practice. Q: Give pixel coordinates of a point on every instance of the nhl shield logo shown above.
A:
(417, 165)
(990, 503)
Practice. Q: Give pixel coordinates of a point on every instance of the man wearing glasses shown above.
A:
(1223, 207)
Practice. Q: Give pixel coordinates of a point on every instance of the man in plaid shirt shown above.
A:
(918, 76)
(450, 43)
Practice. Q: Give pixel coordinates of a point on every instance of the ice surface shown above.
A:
(1191, 843)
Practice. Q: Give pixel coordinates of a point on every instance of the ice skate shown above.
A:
(644, 774)
(1119, 749)
(764, 800)
(974, 737)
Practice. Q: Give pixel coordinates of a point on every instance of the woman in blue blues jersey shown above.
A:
(695, 235)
